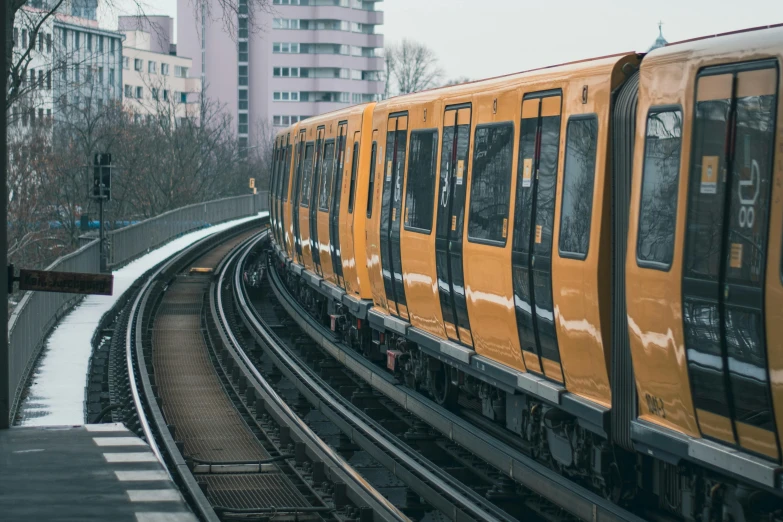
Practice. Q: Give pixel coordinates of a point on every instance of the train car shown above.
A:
(587, 254)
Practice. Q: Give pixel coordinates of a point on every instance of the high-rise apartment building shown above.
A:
(156, 82)
(300, 59)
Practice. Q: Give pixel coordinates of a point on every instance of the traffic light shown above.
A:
(101, 178)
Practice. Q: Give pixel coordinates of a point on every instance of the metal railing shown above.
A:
(38, 312)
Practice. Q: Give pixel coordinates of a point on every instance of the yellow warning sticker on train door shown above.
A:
(709, 175)
(736, 255)
(539, 234)
(407, 221)
(453, 222)
(394, 214)
(505, 227)
(527, 172)
(460, 171)
(388, 170)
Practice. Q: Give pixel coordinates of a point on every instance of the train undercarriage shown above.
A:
(657, 489)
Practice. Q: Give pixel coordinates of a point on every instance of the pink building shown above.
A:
(303, 58)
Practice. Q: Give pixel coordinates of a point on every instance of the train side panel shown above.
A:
(417, 237)
(489, 226)
(354, 209)
(328, 165)
(373, 220)
(706, 363)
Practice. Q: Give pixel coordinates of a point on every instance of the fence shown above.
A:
(38, 312)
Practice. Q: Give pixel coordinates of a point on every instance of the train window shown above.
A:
(578, 182)
(286, 173)
(327, 172)
(307, 175)
(490, 186)
(660, 184)
(371, 186)
(354, 169)
(420, 191)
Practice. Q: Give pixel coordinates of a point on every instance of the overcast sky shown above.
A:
(483, 38)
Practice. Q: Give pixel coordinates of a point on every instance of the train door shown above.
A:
(272, 193)
(354, 257)
(725, 255)
(391, 214)
(314, 244)
(296, 196)
(534, 215)
(334, 213)
(285, 178)
(449, 229)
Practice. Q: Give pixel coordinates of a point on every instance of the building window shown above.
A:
(286, 72)
(100, 75)
(113, 43)
(154, 93)
(286, 2)
(139, 92)
(111, 76)
(40, 42)
(16, 36)
(165, 95)
(137, 64)
(152, 67)
(578, 180)
(285, 48)
(164, 69)
(180, 72)
(100, 43)
(48, 42)
(64, 32)
(49, 80)
(128, 91)
(77, 41)
(40, 79)
(286, 23)
(76, 73)
(660, 184)
(89, 41)
(125, 62)
(183, 97)
(243, 27)
(24, 38)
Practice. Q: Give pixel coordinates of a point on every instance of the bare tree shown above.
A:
(411, 67)
(457, 81)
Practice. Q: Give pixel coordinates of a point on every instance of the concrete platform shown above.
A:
(92, 472)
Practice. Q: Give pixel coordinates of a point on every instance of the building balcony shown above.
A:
(311, 12)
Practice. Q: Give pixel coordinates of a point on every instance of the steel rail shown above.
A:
(456, 495)
(133, 339)
(560, 491)
(382, 506)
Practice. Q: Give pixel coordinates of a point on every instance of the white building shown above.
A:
(156, 82)
(31, 76)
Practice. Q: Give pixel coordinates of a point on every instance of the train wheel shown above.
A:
(441, 388)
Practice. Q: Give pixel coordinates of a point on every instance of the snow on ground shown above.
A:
(56, 396)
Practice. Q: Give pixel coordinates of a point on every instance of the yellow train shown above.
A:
(591, 252)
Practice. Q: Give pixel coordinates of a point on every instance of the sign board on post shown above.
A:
(66, 282)
(252, 183)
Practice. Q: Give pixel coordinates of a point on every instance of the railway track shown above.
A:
(541, 489)
(231, 461)
(260, 414)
